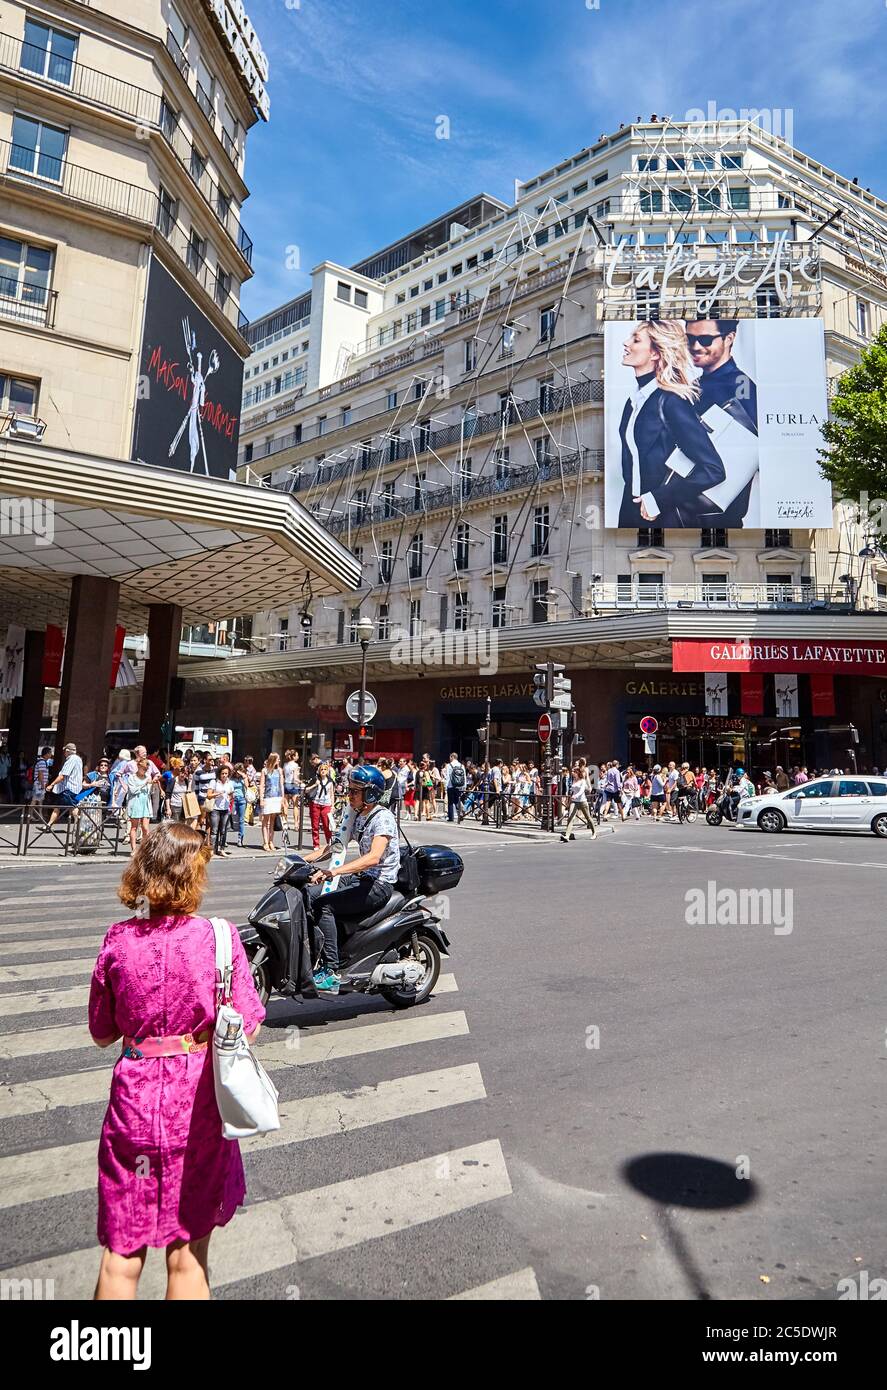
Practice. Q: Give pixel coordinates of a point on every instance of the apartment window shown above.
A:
(648, 163)
(383, 626)
(442, 277)
(541, 531)
(440, 309)
(731, 160)
(546, 395)
(500, 540)
(393, 445)
(197, 165)
(542, 447)
(674, 162)
(392, 400)
(714, 588)
(360, 299)
(359, 505)
(415, 617)
(414, 291)
(387, 503)
(196, 255)
(418, 491)
(177, 27)
(223, 293)
(353, 620)
(415, 556)
(651, 200)
(223, 206)
(547, 323)
(882, 592)
(862, 318)
(346, 415)
(357, 552)
(509, 334)
(767, 305)
(470, 354)
(713, 538)
(777, 540)
(206, 90)
(48, 52)
(18, 396)
(386, 562)
(709, 198)
(424, 435)
(343, 292)
(580, 188)
(540, 600)
(425, 316)
(457, 268)
(740, 198)
(779, 588)
(507, 407)
(400, 298)
(623, 588)
(503, 460)
(649, 536)
(321, 425)
(460, 612)
(603, 209)
(460, 546)
(500, 609)
(747, 235)
(230, 132)
(364, 453)
(681, 200)
(25, 272)
(248, 453)
(601, 178)
(466, 478)
(37, 148)
(650, 586)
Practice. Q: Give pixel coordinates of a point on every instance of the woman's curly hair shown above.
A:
(167, 871)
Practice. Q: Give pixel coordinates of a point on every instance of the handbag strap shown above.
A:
(224, 965)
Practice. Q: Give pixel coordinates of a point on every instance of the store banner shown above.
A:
(830, 658)
(119, 635)
(12, 663)
(786, 689)
(822, 695)
(715, 693)
(751, 686)
(53, 651)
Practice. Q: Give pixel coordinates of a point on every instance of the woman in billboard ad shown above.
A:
(659, 420)
(688, 432)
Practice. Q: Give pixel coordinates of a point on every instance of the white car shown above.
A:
(849, 802)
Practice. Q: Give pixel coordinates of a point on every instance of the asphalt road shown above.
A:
(565, 1119)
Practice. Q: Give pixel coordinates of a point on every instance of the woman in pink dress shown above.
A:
(167, 1177)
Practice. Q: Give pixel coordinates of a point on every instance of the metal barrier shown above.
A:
(29, 828)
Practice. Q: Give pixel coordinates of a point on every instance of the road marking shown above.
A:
(45, 1173)
(511, 1287)
(27, 948)
(43, 1001)
(10, 974)
(752, 854)
(286, 1230)
(91, 1087)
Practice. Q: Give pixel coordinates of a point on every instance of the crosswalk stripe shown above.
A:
(512, 1287)
(47, 932)
(46, 1001)
(43, 1001)
(25, 948)
(286, 1230)
(45, 1173)
(40, 970)
(91, 1087)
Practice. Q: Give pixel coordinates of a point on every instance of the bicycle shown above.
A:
(687, 808)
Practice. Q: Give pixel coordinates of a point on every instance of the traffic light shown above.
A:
(543, 680)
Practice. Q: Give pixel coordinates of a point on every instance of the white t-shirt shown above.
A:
(378, 820)
(579, 789)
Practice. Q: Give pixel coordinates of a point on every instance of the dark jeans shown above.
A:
(239, 816)
(218, 830)
(454, 802)
(358, 896)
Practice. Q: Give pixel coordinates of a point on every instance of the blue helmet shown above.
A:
(370, 781)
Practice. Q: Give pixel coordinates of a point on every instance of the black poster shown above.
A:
(190, 386)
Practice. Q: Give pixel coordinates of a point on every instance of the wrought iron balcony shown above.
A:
(88, 84)
(61, 178)
(26, 303)
(174, 50)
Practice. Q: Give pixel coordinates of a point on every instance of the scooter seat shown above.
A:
(394, 904)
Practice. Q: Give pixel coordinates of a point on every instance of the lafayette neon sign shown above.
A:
(731, 270)
(243, 44)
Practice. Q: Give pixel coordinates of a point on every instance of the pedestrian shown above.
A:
(138, 801)
(270, 799)
(292, 779)
(177, 790)
(579, 794)
(455, 782)
(69, 779)
(657, 792)
(612, 791)
(409, 790)
(5, 773)
(41, 776)
(321, 804)
(631, 791)
(167, 1176)
(221, 792)
(239, 794)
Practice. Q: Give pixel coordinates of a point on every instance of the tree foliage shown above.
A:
(855, 461)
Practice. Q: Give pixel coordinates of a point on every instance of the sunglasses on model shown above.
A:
(703, 339)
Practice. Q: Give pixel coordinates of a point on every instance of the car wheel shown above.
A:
(772, 821)
(879, 826)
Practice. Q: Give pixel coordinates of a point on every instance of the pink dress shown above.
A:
(165, 1171)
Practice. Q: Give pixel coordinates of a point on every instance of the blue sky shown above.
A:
(350, 160)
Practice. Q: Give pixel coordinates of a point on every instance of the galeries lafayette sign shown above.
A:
(246, 51)
(702, 654)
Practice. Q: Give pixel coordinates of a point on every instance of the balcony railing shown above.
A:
(174, 50)
(100, 88)
(146, 108)
(27, 303)
(732, 596)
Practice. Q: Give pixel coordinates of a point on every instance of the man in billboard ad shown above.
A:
(190, 385)
(720, 425)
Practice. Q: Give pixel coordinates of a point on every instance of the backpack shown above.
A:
(457, 777)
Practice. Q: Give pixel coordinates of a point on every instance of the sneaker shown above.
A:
(565, 838)
(326, 982)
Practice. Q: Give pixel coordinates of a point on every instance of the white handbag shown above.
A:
(738, 450)
(245, 1094)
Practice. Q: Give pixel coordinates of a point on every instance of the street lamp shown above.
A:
(364, 629)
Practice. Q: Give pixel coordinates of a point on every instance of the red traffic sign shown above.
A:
(543, 728)
(649, 725)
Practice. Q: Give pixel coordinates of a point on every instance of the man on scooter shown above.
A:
(367, 882)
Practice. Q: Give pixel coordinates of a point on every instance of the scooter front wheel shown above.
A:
(713, 816)
(428, 956)
(261, 979)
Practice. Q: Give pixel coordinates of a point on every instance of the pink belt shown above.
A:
(176, 1045)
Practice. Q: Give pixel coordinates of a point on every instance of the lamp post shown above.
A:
(365, 630)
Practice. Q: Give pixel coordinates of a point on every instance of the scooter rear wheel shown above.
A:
(261, 979)
(429, 957)
(713, 816)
